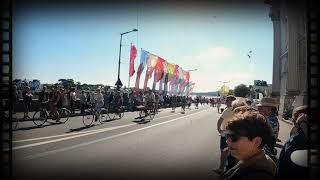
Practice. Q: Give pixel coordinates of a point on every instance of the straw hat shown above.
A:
(267, 101)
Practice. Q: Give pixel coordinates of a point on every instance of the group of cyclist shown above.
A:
(59, 97)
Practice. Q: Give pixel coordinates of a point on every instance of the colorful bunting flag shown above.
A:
(133, 54)
(143, 58)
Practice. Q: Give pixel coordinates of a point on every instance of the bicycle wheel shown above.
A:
(40, 117)
(111, 114)
(103, 113)
(64, 115)
(88, 118)
(151, 113)
(142, 114)
(98, 117)
(121, 112)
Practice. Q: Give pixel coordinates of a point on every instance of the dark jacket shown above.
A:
(259, 167)
(286, 168)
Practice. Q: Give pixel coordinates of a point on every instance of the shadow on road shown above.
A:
(36, 127)
(82, 128)
(141, 121)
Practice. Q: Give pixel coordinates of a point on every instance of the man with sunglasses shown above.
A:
(221, 124)
(246, 135)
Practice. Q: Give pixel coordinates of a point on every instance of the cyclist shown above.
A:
(56, 102)
(197, 102)
(72, 99)
(152, 98)
(27, 99)
(174, 102)
(157, 101)
(183, 103)
(99, 103)
(43, 98)
(83, 101)
(189, 99)
(117, 101)
(148, 100)
(145, 101)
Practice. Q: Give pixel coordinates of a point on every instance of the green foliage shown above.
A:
(67, 83)
(231, 92)
(241, 90)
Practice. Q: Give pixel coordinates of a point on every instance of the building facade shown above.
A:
(289, 83)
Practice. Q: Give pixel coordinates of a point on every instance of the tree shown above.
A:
(231, 92)
(67, 83)
(78, 85)
(241, 90)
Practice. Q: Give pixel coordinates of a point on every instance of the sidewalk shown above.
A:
(286, 121)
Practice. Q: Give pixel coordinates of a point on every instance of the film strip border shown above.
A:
(6, 88)
(313, 87)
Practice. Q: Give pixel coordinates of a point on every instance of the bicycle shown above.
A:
(42, 115)
(174, 105)
(145, 111)
(91, 114)
(114, 111)
(197, 105)
(183, 107)
(189, 105)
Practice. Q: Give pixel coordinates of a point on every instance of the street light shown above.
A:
(119, 83)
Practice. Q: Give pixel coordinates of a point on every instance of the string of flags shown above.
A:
(172, 79)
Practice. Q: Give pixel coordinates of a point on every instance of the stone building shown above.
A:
(289, 83)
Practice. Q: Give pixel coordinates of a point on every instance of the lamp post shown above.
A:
(119, 83)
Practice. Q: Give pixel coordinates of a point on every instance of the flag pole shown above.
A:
(129, 68)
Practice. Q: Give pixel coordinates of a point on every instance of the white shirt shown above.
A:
(226, 116)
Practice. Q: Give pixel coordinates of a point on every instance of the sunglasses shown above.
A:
(233, 136)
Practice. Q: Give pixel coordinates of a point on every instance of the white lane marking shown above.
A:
(75, 136)
(102, 139)
(48, 137)
(75, 133)
(66, 138)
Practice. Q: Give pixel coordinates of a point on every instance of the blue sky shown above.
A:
(82, 42)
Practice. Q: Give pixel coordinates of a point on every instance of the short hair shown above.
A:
(251, 124)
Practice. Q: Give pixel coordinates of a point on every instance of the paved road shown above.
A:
(172, 146)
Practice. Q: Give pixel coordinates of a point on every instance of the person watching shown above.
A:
(221, 124)
(297, 142)
(246, 134)
(268, 108)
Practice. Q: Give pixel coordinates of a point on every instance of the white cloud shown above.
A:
(211, 55)
(205, 83)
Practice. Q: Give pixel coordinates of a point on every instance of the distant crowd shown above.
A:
(72, 99)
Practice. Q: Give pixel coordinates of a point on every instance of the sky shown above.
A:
(81, 41)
